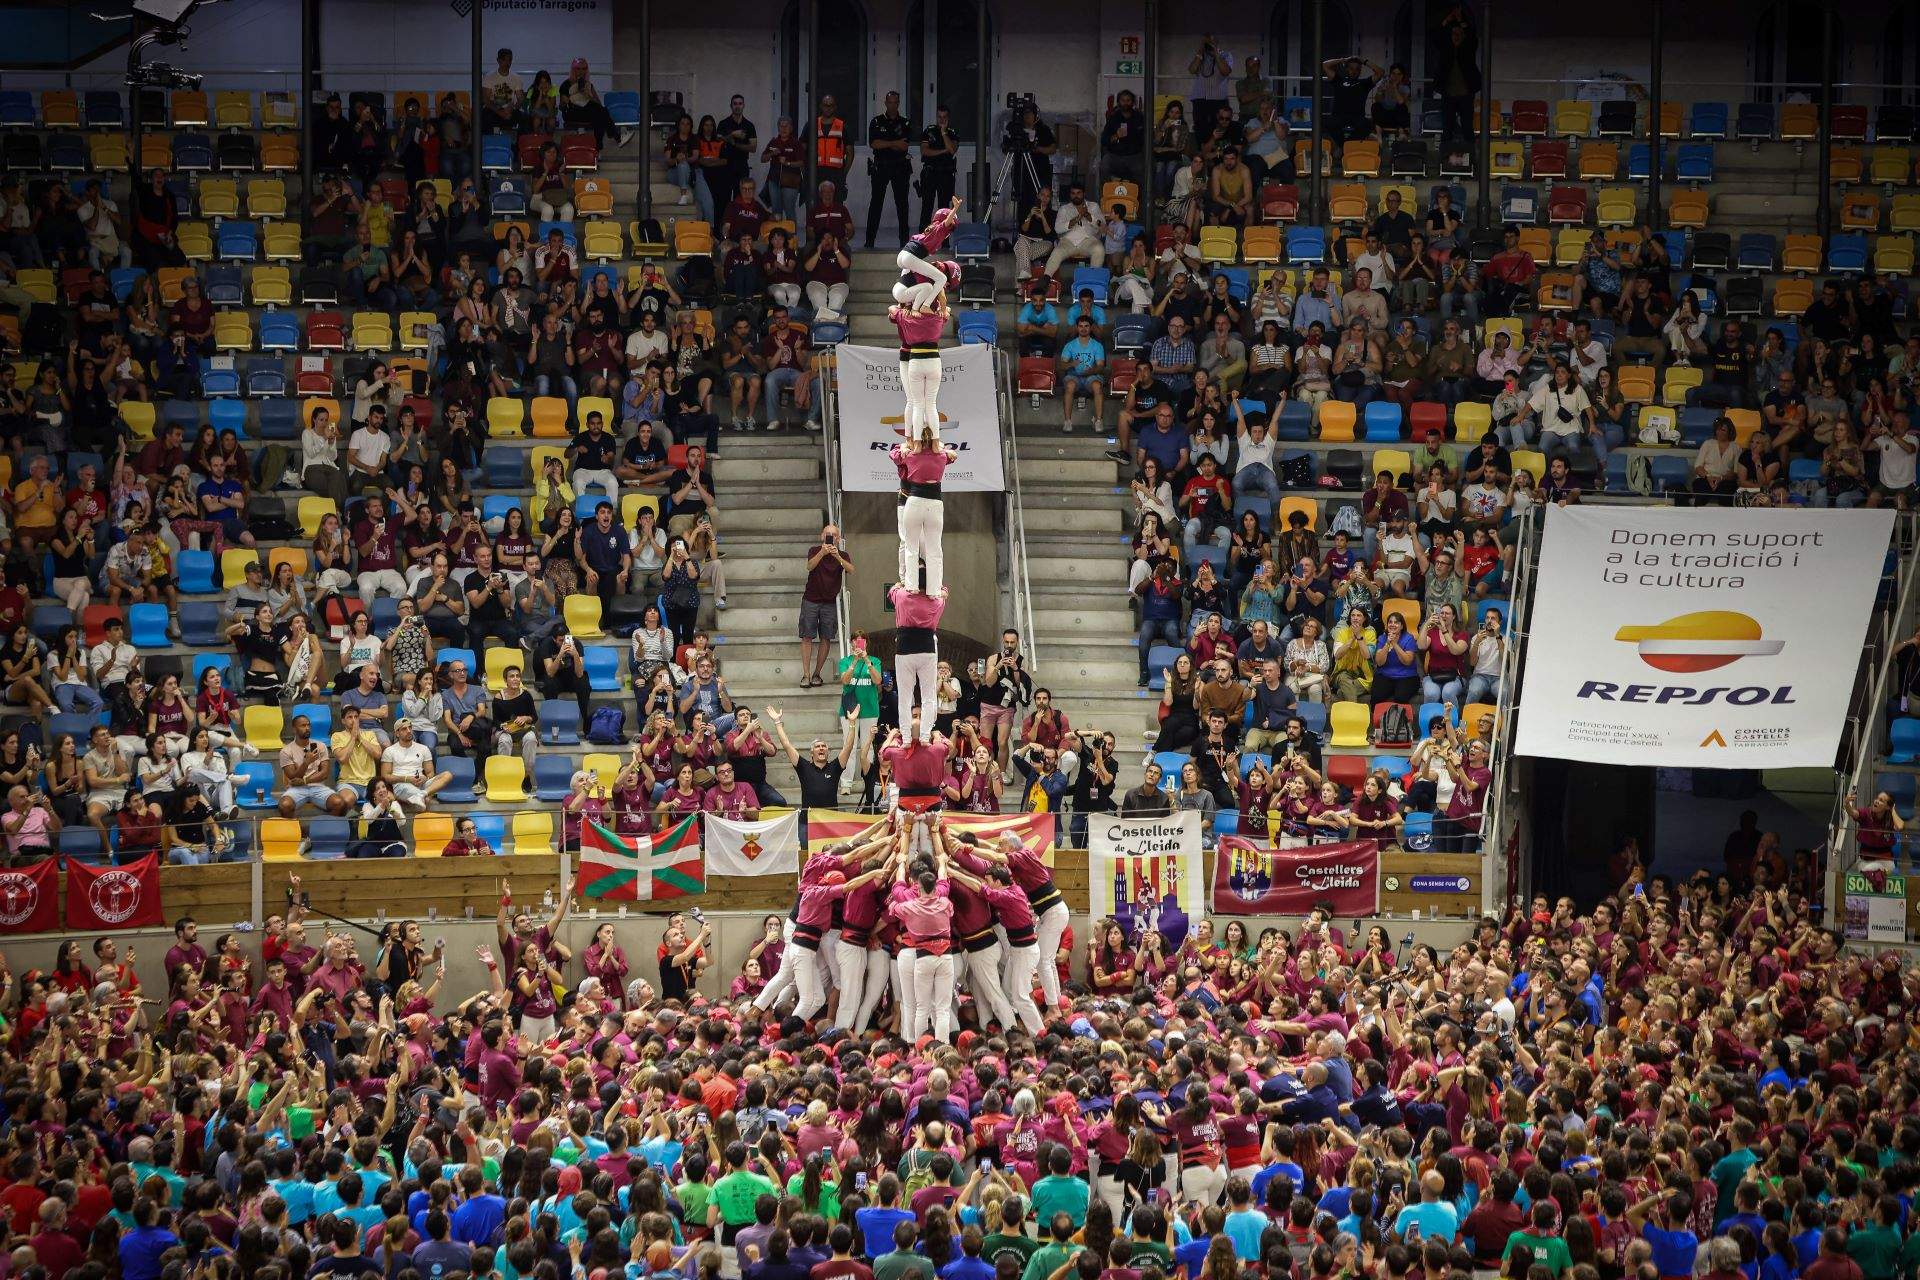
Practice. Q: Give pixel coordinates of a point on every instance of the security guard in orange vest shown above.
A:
(829, 138)
(890, 134)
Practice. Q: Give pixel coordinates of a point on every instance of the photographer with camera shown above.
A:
(490, 603)
(1093, 783)
(1212, 70)
(1029, 146)
(560, 667)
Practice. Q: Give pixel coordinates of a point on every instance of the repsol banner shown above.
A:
(873, 414)
(1709, 638)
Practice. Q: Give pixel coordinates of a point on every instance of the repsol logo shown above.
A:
(1751, 695)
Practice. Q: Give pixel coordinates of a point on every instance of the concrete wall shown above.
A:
(734, 935)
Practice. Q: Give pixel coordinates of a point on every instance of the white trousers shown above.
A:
(1202, 1185)
(933, 995)
(829, 300)
(1018, 985)
(920, 380)
(1051, 925)
(921, 671)
(1078, 243)
(903, 991)
(851, 961)
(983, 978)
(388, 580)
(806, 976)
(783, 980)
(879, 967)
(923, 522)
(603, 480)
(1108, 1188)
(922, 295)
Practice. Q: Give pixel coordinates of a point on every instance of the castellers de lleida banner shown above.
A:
(1708, 638)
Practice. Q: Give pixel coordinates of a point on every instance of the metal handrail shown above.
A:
(826, 365)
(1020, 579)
(1519, 601)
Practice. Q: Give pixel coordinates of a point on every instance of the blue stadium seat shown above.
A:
(971, 240)
(1903, 740)
(1708, 120)
(1640, 162)
(981, 327)
(279, 331)
(253, 784)
(279, 420)
(204, 662)
(77, 723)
(1803, 471)
(1170, 763)
(1484, 607)
(1758, 251)
(1616, 477)
(1239, 282)
(1314, 716)
(496, 505)
(452, 654)
(552, 777)
(1898, 785)
(200, 623)
(123, 279)
(228, 415)
(623, 108)
(505, 468)
(184, 412)
(1160, 658)
(384, 614)
(1248, 759)
(1670, 473)
(195, 569)
(568, 235)
(82, 842)
(1847, 253)
(1095, 280)
(319, 714)
(1520, 204)
(1429, 712)
(104, 109)
(237, 240)
(507, 197)
(1696, 425)
(224, 284)
(1259, 504)
(219, 379)
(603, 668)
(1295, 422)
(265, 377)
(48, 619)
(327, 838)
(1306, 245)
(461, 767)
(16, 109)
(1132, 332)
(1392, 766)
(147, 624)
(560, 722)
(491, 827)
(1383, 422)
(1693, 162)
(1416, 831)
(496, 152)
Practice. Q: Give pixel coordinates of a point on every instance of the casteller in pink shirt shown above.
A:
(920, 466)
(913, 609)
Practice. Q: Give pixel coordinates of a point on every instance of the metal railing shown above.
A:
(826, 366)
(1502, 807)
(1019, 582)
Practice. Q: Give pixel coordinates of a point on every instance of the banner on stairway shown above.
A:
(872, 418)
(1708, 638)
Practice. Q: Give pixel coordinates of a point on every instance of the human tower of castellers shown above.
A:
(908, 901)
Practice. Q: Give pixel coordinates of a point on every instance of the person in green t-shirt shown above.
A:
(902, 1263)
(1731, 1168)
(695, 1194)
(1056, 1253)
(860, 678)
(1011, 1238)
(1875, 1245)
(1060, 1191)
(735, 1194)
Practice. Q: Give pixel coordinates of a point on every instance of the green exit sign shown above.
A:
(1128, 67)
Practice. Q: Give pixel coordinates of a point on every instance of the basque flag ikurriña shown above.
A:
(618, 868)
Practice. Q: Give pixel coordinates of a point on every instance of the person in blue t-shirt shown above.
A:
(1083, 369)
(1433, 1218)
(223, 500)
(1038, 320)
(1674, 1246)
(1244, 1223)
(876, 1223)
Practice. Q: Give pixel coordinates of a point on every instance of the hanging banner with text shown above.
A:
(1254, 880)
(1714, 638)
(1140, 869)
(873, 415)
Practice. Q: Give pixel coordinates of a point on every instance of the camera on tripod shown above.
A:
(1018, 102)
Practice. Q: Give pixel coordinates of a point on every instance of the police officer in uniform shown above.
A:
(939, 162)
(890, 135)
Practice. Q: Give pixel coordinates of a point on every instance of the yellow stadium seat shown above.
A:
(156, 151)
(605, 765)
(1409, 612)
(312, 509)
(1219, 244)
(592, 197)
(1336, 421)
(282, 242)
(504, 415)
(630, 505)
(1671, 119)
(1531, 460)
(1801, 253)
(38, 283)
(602, 242)
(194, 241)
(692, 239)
(372, 331)
(1360, 159)
(1745, 423)
(1892, 166)
(1599, 162)
(1123, 193)
(189, 109)
(219, 198)
(772, 225)
(1893, 255)
(1687, 209)
(532, 832)
(1792, 297)
(298, 557)
(1680, 379)
(586, 406)
(261, 725)
(1556, 291)
(279, 154)
(313, 404)
(582, 612)
(1572, 118)
(1568, 244)
(1510, 325)
(108, 151)
(1506, 159)
(1847, 164)
(233, 565)
(550, 418)
(281, 840)
(266, 198)
(1473, 713)
(1799, 122)
(506, 779)
(1471, 420)
(59, 109)
(232, 331)
(1860, 211)
(498, 659)
(1260, 244)
(1617, 207)
(1349, 722)
(1308, 507)
(1397, 461)
(431, 832)
(414, 327)
(643, 247)
(1636, 383)
(277, 111)
(138, 415)
(537, 460)
(233, 109)
(1347, 202)
(1537, 241)
(271, 286)
(1904, 214)
(1409, 198)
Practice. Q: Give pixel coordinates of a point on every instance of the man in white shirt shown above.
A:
(1078, 226)
(1589, 354)
(1376, 261)
(407, 766)
(504, 91)
(101, 217)
(1362, 303)
(368, 450)
(1179, 258)
(644, 343)
(113, 659)
(1896, 447)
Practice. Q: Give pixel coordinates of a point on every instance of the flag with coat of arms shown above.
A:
(769, 847)
(617, 868)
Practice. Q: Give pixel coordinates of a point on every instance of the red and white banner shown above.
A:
(29, 897)
(114, 897)
(1253, 880)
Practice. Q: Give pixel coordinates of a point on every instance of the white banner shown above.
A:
(769, 847)
(873, 409)
(1710, 638)
(1137, 865)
